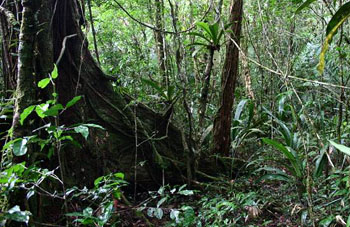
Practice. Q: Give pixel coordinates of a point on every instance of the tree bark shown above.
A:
(160, 42)
(51, 32)
(222, 122)
(205, 90)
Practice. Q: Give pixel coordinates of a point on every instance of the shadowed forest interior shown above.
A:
(174, 113)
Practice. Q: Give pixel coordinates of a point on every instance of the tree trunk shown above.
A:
(160, 42)
(222, 122)
(205, 90)
(51, 30)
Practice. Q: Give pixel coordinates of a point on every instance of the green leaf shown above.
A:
(160, 202)
(93, 126)
(214, 29)
(73, 101)
(186, 192)
(304, 5)
(174, 215)
(239, 108)
(43, 83)
(54, 73)
(342, 13)
(281, 148)
(200, 35)
(40, 109)
(342, 148)
(337, 20)
(326, 222)
(26, 112)
(293, 158)
(158, 213)
(15, 214)
(97, 181)
(119, 175)
(83, 130)
(205, 27)
(20, 147)
(54, 110)
(320, 163)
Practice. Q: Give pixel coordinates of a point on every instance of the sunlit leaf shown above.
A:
(73, 101)
(54, 110)
(83, 130)
(337, 20)
(15, 214)
(26, 112)
(54, 73)
(20, 147)
(43, 83)
(304, 5)
(342, 148)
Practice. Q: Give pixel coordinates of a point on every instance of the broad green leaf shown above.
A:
(320, 163)
(342, 148)
(342, 13)
(43, 83)
(54, 73)
(348, 222)
(160, 202)
(285, 131)
(326, 222)
(15, 214)
(293, 158)
(54, 110)
(73, 101)
(281, 148)
(83, 130)
(239, 108)
(97, 181)
(174, 215)
(20, 147)
(158, 213)
(8, 144)
(200, 35)
(214, 29)
(26, 112)
(337, 20)
(304, 5)
(150, 212)
(106, 214)
(205, 27)
(117, 194)
(40, 109)
(119, 175)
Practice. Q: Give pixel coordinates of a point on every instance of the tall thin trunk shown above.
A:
(205, 90)
(160, 42)
(25, 94)
(94, 33)
(9, 32)
(222, 122)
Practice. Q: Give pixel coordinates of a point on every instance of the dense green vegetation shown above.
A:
(175, 113)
